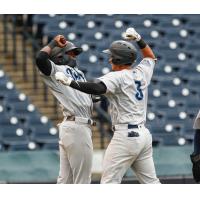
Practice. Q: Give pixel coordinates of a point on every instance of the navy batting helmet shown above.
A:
(122, 52)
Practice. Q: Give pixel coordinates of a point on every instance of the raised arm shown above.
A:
(42, 58)
(132, 34)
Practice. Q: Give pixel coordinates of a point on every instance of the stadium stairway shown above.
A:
(16, 74)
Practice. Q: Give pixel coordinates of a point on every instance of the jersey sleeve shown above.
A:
(54, 68)
(146, 67)
(112, 81)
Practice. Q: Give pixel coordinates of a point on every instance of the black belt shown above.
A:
(70, 118)
(130, 126)
(73, 118)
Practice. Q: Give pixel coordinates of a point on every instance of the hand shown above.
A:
(60, 41)
(132, 34)
(60, 77)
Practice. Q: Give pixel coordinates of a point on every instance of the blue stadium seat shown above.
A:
(190, 71)
(162, 104)
(170, 140)
(13, 134)
(176, 116)
(179, 92)
(157, 128)
(37, 120)
(42, 19)
(194, 84)
(193, 104)
(24, 109)
(174, 91)
(187, 128)
(42, 134)
(23, 146)
(16, 96)
(51, 146)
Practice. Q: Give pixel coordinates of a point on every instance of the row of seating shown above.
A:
(174, 91)
(22, 127)
(173, 94)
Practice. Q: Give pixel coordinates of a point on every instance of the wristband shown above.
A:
(142, 44)
(52, 44)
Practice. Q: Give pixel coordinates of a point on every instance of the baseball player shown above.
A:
(195, 157)
(126, 88)
(75, 134)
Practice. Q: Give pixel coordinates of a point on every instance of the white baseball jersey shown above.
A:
(197, 121)
(73, 101)
(127, 92)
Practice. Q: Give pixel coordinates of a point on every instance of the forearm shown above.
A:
(89, 88)
(145, 49)
(49, 47)
(42, 59)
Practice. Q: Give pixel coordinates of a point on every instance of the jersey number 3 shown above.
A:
(139, 95)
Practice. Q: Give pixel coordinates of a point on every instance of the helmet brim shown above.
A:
(76, 50)
(107, 51)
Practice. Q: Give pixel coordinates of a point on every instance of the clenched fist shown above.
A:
(132, 34)
(60, 41)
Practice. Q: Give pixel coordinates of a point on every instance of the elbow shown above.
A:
(152, 56)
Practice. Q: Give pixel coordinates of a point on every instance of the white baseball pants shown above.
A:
(76, 151)
(124, 152)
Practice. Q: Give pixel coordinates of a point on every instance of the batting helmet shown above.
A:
(122, 52)
(71, 47)
(59, 55)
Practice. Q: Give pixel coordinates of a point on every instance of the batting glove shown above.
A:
(60, 77)
(132, 34)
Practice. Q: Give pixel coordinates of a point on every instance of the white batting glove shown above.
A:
(132, 34)
(60, 77)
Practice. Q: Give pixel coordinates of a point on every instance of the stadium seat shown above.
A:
(12, 134)
(51, 146)
(24, 109)
(23, 146)
(174, 91)
(43, 134)
(187, 128)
